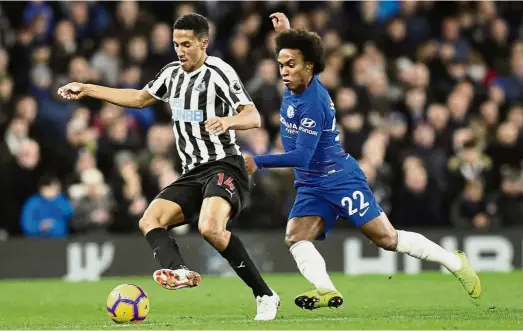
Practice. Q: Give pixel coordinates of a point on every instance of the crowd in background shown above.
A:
(428, 96)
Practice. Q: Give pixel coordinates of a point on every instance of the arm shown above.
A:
(247, 118)
(30, 225)
(131, 98)
(306, 141)
(122, 97)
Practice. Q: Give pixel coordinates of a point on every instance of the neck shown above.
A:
(199, 63)
(303, 87)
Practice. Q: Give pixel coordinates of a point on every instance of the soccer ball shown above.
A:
(127, 303)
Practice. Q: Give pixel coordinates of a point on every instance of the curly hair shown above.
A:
(195, 22)
(308, 43)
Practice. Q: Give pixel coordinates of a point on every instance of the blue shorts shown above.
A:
(353, 200)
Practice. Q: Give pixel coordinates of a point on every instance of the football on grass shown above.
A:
(127, 303)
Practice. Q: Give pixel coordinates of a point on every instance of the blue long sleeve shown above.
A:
(307, 138)
(30, 223)
(300, 157)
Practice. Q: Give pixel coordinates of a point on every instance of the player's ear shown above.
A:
(309, 67)
(204, 42)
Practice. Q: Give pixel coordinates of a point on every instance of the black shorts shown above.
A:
(226, 178)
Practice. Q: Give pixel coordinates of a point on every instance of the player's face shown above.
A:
(295, 72)
(189, 48)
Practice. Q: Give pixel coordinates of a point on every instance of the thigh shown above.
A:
(225, 186)
(187, 194)
(310, 202)
(355, 200)
(214, 215)
(162, 212)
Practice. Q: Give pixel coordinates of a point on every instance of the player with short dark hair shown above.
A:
(329, 181)
(208, 103)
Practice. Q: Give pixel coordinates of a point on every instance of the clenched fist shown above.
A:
(280, 22)
(250, 164)
(73, 91)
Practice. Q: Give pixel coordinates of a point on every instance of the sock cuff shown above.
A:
(401, 240)
(233, 245)
(300, 243)
(154, 233)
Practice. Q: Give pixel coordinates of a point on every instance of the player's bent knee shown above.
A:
(147, 223)
(388, 240)
(210, 231)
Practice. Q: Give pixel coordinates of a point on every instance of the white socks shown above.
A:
(416, 245)
(311, 264)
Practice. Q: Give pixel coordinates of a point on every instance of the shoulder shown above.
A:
(218, 64)
(173, 64)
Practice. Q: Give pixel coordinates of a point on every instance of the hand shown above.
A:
(217, 125)
(480, 221)
(46, 224)
(250, 164)
(100, 216)
(280, 22)
(72, 91)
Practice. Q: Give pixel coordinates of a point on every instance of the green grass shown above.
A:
(426, 301)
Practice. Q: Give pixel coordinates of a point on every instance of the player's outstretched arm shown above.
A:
(122, 97)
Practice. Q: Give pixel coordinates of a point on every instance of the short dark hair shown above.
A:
(194, 22)
(308, 43)
(47, 179)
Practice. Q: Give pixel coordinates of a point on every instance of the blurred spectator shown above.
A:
(18, 182)
(470, 164)
(505, 206)
(417, 203)
(106, 61)
(47, 214)
(128, 193)
(469, 209)
(118, 137)
(92, 202)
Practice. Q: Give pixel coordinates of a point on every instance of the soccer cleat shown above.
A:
(267, 307)
(176, 279)
(319, 298)
(467, 276)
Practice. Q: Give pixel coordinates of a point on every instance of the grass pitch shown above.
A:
(426, 301)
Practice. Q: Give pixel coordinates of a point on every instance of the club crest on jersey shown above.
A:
(290, 111)
(235, 87)
(200, 87)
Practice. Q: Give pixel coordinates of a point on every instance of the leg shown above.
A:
(298, 237)
(169, 209)
(221, 201)
(382, 233)
(212, 225)
(157, 218)
(361, 208)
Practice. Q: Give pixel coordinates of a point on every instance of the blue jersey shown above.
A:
(330, 182)
(309, 119)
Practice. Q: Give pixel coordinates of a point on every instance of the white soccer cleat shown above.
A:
(267, 307)
(176, 279)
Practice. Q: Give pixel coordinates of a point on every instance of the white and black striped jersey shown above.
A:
(213, 90)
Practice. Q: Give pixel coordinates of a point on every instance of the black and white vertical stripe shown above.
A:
(217, 91)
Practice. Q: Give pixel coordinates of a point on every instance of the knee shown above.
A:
(387, 240)
(210, 231)
(147, 223)
(292, 238)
